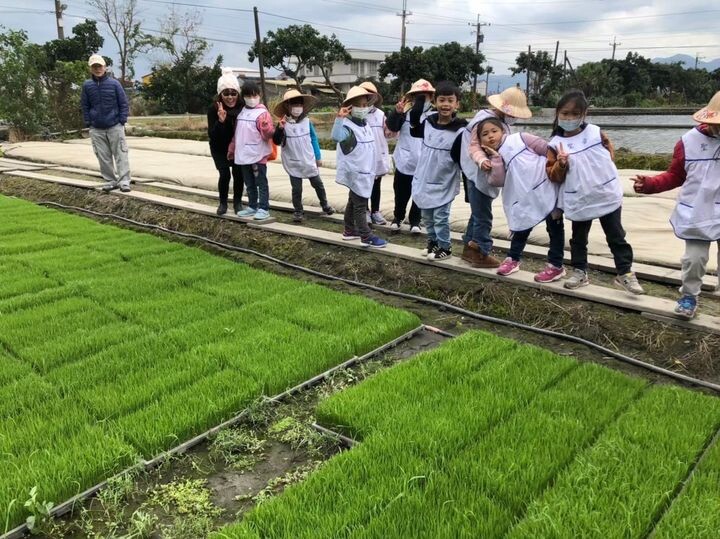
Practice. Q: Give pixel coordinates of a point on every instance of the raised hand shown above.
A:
(344, 112)
(639, 184)
(562, 155)
(400, 106)
(222, 113)
(490, 152)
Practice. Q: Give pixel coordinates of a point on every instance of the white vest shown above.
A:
(298, 157)
(250, 148)
(697, 213)
(592, 188)
(376, 121)
(471, 169)
(408, 148)
(437, 177)
(528, 195)
(356, 169)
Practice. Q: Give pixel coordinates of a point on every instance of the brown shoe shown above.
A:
(485, 261)
(469, 255)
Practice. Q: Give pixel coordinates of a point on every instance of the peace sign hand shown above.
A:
(562, 155)
(222, 113)
(344, 112)
(490, 152)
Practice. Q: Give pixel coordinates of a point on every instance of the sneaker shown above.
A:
(110, 186)
(328, 210)
(550, 274)
(125, 188)
(377, 218)
(222, 209)
(431, 247)
(415, 229)
(394, 225)
(348, 236)
(298, 217)
(686, 306)
(247, 212)
(577, 279)
(508, 267)
(439, 253)
(261, 215)
(374, 242)
(630, 283)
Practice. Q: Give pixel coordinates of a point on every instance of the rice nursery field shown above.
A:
(486, 437)
(116, 345)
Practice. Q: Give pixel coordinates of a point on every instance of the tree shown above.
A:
(177, 35)
(121, 18)
(23, 104)
(453, 62)
(541, 68)
(405, 66)
(296, 48)
(597, 79)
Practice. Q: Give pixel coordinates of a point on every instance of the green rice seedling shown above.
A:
(11, 369)
(24, 242)
(696, 513)
(167, 310)
(31, 300)
(649, 448)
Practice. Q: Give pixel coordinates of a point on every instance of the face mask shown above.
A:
(252, 102)
(426, 106)
(569, 125)
(360, 112)
(296, 111)
(510, 120)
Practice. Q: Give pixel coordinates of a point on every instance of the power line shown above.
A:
(614, 18)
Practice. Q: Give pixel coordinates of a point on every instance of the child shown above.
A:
(437, 177)
(696, 219)
(591, 189)
(300, 149)
(356, 164)
(376, 120)
(506, 107)
(407, 152)
(250, 148)
(222, 116)
(518, 166)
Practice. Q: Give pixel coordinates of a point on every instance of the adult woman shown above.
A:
(221, 116)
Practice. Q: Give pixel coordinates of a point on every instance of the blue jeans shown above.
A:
(437, 223)
(256, 182)
(556, 231)
(480, 224)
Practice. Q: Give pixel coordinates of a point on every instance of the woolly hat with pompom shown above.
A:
(227, 81)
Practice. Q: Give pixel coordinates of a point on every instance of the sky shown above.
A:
(585, 28)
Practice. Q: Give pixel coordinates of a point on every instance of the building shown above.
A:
(365, 64)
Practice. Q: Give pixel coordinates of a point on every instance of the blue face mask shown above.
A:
(570, 125)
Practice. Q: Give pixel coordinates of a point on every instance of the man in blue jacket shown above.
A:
(105, 110)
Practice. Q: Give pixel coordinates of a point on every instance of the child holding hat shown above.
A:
(300, 153)
(696, 219)
(356, 164)
(407, 152)
(506, 107)
(376, 121)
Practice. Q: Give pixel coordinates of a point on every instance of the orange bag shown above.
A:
(273, 151)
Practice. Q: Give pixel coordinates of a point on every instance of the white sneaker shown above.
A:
(261, 215)
(415, 229)
(247, 212)
(395, 225)
(577, 279)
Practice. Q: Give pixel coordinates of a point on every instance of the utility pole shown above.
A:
(698, 57)
(557, 47)
(479, 38)
(405, 14)
(527, 73)
(614, 44)
(59, 8)
(258, 47)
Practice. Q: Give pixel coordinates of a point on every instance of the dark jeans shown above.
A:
(297, 189)
(255, 177)
(375, 197)
(480, 223)
(556, 231)
(402, 185)
(224, 168)
(356, 215)
(615, 236)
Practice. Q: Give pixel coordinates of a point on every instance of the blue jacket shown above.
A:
(104, 103)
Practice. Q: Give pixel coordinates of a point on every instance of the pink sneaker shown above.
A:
(508, 266)
(550, 274)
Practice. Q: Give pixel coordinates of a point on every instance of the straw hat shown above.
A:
(711, 113)
(309, 102)
(356, 91)
(419, 86)
(511, 101)
(370, 87)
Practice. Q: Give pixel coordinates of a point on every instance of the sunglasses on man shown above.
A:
(229, 93)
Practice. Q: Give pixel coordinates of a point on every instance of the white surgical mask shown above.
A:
(296, 111)
(360, 112)
(569, 125)
(252, 102)
(510, 120)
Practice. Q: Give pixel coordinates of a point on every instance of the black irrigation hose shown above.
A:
(412, 297)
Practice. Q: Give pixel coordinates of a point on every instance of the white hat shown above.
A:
(96, 59)
(228, 81)
(356, 91)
